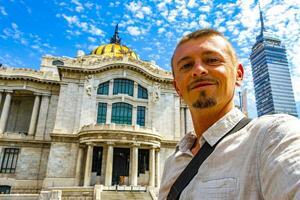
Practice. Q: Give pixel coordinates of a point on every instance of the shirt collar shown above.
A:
(212, 134)
(223, 126)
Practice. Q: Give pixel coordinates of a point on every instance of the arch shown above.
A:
(57, 62)
(123, 86)
(103, 88)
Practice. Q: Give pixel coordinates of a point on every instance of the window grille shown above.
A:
(121, 113)
(9, 161)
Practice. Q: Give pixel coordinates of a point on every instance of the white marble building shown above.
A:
(106, 118)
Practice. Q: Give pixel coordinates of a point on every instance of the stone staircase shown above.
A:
(117, 195)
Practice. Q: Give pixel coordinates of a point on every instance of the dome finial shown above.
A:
(115, 39)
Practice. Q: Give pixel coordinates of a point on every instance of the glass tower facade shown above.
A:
(271, 76)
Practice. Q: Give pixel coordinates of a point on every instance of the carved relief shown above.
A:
(155, 93)
(89, 85)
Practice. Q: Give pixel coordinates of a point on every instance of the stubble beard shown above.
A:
(204, 102)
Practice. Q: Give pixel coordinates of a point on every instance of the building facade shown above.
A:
(271, 76)
(107, 118)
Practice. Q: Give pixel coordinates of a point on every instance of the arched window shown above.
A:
(103, 88)
(142, 92)
(123, 86)
(121, 113)
(58, 62)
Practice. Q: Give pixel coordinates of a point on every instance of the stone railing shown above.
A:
(96, 62)
(119, 127)
(27, 73)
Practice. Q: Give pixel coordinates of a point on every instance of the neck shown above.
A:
(205, 118)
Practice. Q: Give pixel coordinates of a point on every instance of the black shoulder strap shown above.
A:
(192, 168)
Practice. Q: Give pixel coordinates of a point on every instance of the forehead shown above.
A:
(210, 44)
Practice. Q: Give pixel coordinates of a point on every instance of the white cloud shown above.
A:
(2, 11)
(192, 4)
(79, 6)
(95, 31)
(134, 30)
(92, 39)
(71, 19)
(161, 30)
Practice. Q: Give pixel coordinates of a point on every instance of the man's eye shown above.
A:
(212, 60)
(186, 66)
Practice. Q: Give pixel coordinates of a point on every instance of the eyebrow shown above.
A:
(205, 53)
(183, 59)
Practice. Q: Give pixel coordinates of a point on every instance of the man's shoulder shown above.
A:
(274, 120)
(277, 125)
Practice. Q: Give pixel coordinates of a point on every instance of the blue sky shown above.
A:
(31, 29)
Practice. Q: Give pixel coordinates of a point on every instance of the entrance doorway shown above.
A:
(120, 165)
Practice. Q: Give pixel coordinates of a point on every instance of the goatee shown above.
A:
(204, 102)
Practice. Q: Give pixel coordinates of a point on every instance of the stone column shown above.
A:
(111, 87)
(152, 167)
(34, 115)
(1, 96)
(177, 116)
(88, 166)
(182, 122)
(157, 168)
(78, 166)
(134, 114)
(135, 90)
(134, 165)
(108, 113)
(42, 119)
(5, 111)
(109, 164)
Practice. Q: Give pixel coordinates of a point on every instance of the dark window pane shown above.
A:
(121, 113)
(123, 86)
(140, 116)
(97, 160)
(9, 161)
(102, 109)
(103, 88)
(5, 189)
(142, 92)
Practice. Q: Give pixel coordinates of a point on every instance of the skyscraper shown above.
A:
(271, 76)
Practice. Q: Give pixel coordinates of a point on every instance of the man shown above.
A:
(260, 161)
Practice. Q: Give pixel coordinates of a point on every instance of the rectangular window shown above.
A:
(102, 109)
(97, 160)
(9, 161)
(140, 116)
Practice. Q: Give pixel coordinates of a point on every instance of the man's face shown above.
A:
(204, 73)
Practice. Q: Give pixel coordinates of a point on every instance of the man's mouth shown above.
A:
(201, 84)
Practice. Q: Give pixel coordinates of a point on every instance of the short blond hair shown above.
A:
(207, 32)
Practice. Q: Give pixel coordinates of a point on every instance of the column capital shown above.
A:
(135, 144)
(9, 91)
(90, 144)
(110, 143)
(37, 94)
(46, 94)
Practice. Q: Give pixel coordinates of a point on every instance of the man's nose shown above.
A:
(199, 69)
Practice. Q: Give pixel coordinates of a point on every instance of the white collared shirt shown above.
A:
(261, 161)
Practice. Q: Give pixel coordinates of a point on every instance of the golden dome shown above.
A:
(115, 49)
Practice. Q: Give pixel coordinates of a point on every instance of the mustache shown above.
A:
(200, 80)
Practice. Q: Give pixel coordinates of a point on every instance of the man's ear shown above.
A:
(176, 88)
(239, 75)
